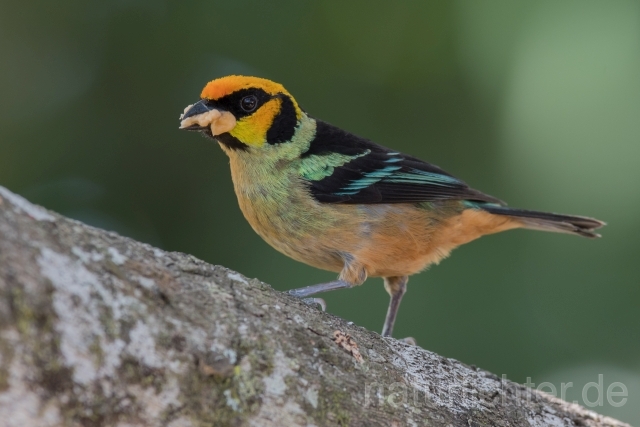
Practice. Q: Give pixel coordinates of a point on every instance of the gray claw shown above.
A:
(316, 301)
(410, 340)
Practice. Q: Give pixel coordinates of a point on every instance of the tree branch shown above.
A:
(97, 329)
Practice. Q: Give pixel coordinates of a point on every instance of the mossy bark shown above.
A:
(97, 329)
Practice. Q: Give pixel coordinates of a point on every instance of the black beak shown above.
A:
(196, 109)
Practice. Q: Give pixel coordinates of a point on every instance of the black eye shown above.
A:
(249, 103)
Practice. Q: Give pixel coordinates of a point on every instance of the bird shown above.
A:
(340, 202)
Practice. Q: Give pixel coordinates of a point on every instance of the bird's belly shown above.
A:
(386, 240)
(397, 240)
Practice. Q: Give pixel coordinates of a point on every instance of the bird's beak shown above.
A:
(199, 117)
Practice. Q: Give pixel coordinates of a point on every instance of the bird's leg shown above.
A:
(351, 275)
(396, 287)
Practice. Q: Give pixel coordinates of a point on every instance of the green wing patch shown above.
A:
(319, 166)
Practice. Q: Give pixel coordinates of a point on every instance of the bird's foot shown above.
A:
(315, 302)
(316, 289)
(307, 291)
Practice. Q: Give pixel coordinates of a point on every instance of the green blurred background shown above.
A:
(535, 103)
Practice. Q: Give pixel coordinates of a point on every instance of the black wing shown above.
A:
(370, 173)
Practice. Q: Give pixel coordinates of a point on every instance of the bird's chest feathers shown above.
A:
(270, 194)
(259, 183)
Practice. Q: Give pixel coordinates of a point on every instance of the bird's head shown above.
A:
(242, 112)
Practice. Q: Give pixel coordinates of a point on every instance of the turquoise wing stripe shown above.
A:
(367, 180)
(390, 174)
(421, 177)
(393, 160)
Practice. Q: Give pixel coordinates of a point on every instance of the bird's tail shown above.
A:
(558, 223)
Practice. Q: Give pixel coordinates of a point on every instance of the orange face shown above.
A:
(243, 110)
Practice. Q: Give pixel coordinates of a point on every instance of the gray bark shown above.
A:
(97, 329)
